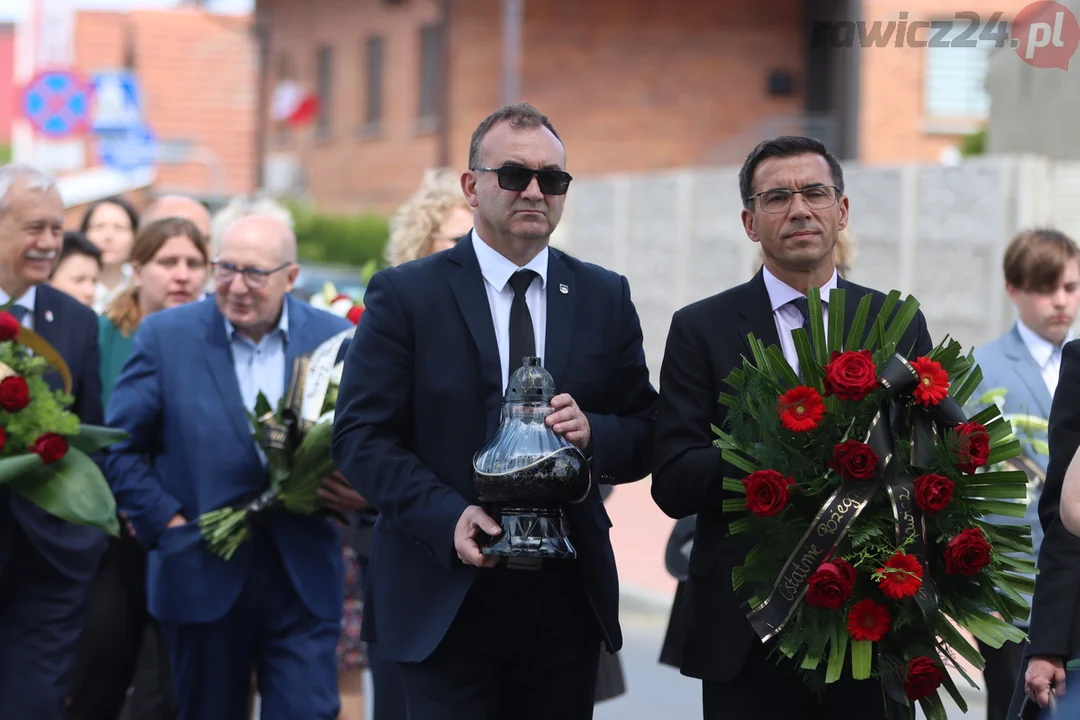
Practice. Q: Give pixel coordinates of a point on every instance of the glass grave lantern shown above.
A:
(527, 474)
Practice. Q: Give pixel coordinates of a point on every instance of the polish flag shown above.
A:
(293, 105)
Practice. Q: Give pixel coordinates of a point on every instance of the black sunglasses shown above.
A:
(517, 178)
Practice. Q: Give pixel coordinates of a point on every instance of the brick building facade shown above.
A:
(199, 76)
(630, 84)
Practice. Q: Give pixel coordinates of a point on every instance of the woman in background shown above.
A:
(78, 269)
(111, 225)
(433, 219)
(169, 267)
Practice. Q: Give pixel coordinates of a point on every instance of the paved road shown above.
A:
(657, 691)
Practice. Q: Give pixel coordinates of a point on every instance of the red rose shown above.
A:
(14, 393)
(354, 314)
(967, 553)
(800, 409)
(9, 326)
(974, 448)
(923, 678)
(50, 447)
(868, 621)
(767, 492)
(933, 384)
(851, 375)
(854, 460)
(933, 493)
(901, 577)
(831, 584)
(3, 439)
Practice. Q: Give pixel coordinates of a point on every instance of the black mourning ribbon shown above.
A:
(923, 426)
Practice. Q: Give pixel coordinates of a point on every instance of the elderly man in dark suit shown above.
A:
(46, 564)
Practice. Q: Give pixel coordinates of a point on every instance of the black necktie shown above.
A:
(522, 342)
(803, 305)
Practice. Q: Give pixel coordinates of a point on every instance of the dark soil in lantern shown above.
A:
(562, 476)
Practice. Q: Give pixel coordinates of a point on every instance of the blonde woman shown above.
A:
(431, 220)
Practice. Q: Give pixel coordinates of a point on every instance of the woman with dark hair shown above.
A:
(169, 267)
(77, 271)
(111, 225)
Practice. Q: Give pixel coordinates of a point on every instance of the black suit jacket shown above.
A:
(71, 328)
(421, 393)
(1055, 607)
(707, 340)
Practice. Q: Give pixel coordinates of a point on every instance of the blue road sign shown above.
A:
(117, 102)
(56, 103)
(129, 150)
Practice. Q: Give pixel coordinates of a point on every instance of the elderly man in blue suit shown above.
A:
(184, 397)
(47, 565)
(1042, 278)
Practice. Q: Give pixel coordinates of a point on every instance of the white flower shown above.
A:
(335, 374)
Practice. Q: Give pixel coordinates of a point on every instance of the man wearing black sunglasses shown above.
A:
(474, 636)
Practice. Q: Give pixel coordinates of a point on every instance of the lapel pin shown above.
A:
(563, 289)
(48, 316)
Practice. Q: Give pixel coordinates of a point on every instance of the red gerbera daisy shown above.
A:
(868, 621)
(933, 384)
(901, 577)
(800, 409)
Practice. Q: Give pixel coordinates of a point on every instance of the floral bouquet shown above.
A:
(44, 450)
(295, 439)
(862, 475)
(339, 304)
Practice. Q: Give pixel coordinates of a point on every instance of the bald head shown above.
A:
(255, 268)
(268, 233)
(180, 206)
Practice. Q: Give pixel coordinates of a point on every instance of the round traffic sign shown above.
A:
(57, 103)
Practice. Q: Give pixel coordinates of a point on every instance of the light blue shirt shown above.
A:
(260, 367)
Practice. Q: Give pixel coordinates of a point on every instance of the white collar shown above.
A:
(1040, 348)
(780, 293)
(497, 270)
(282, 326)
(27, 299)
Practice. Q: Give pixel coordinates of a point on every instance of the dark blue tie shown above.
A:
(803, 306)
(18, 312)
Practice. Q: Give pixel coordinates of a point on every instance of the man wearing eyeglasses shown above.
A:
(794, 206)
(474, 636)
(185, 397)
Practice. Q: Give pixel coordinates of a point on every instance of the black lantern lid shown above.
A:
(530, 383)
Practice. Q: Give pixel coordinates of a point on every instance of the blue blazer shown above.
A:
(421, 393)
(71, 328)
(1007, 363)
(191, 450)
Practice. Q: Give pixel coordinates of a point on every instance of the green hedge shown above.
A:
(356, 240)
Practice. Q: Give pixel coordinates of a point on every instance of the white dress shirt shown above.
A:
(1046, 354)
(27, 301)
(788, 317)
(497, 270)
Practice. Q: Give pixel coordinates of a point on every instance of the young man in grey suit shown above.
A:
(1042, 278)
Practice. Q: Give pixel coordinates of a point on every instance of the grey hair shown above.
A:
(241, 207)
(33, 179)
